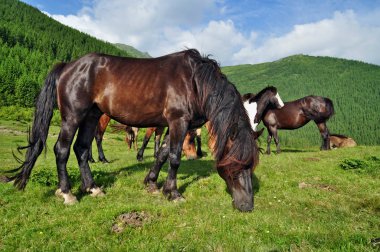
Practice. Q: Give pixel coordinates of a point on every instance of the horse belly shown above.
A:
(290, 122)
(132, 108)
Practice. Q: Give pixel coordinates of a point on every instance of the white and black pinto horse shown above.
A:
(257, 104)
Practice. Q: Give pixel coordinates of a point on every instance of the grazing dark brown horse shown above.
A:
(340, 141)
(182, 91)
(296, 114)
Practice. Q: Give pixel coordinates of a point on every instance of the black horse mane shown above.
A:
(222, 105)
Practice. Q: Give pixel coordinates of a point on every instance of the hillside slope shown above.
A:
(30, 44)
(353, 86)
(133, 52)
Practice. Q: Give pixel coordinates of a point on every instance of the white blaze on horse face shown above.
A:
(252, 111)
(279, 100)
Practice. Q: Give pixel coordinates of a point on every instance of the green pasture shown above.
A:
(305, 200)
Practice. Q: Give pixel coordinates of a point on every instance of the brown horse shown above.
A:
(158, 131)
(189, 148)
(340, 141)
(130, 134)
(296, 114)
(181, 90)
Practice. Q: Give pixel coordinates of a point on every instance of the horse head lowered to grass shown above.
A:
(182, 90)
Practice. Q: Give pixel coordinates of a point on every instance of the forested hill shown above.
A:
(133, 52)
(353, 86)
(30, 44)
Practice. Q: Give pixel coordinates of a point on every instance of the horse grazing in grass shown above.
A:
(130, 134)
(257, 104)
(181, 91)
(340, 141)
(189, 148)
(158, 131)
(296, 114)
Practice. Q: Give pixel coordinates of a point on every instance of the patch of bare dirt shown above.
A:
(311, 159)
(10, 131)
(325, 187)
(133, 219)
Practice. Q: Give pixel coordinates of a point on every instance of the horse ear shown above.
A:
(257, 134)
(251, 99)
(247, 96)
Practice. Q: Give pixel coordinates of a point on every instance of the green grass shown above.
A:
(335, 210)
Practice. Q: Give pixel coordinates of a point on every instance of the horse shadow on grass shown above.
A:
(194, 169)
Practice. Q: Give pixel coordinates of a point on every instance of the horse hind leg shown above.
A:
(325, 135)
(81, 149)
(62, 153)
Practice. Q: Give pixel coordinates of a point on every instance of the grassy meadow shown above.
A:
(304, 201)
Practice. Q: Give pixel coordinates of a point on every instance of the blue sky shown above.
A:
(233, 31)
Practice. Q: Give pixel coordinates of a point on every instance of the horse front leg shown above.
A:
(276, 141)
(162, 155)
(178, 129)
(325, 136)
(157, 138)
(198, 138)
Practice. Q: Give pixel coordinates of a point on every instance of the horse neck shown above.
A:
(262, 107)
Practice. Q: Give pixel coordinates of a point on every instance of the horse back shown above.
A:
(290, 116)
(136, 92)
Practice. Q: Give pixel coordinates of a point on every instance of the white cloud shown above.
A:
(161, 27)
(342, 36)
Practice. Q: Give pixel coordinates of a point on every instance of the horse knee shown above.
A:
(81, 152)
(175, 160)
(61, 153)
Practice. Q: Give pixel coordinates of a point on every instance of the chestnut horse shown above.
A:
(181, 91)
(158, 131)
(296, 114)
(340, 141)
(189, 148)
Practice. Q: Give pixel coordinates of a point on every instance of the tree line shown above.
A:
(30, 44)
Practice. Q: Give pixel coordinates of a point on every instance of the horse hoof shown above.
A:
(69, 198)
(96, 192)
(153, 188)
(104, 161)
(175, 197)
(179, 199)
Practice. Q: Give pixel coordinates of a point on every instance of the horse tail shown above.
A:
(37, 136)
(118, 127)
